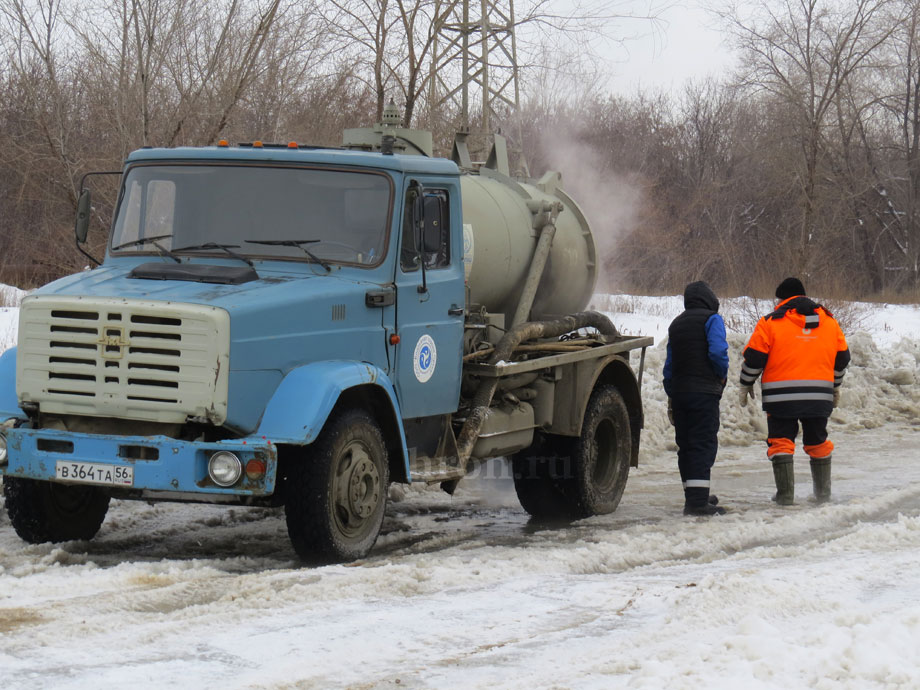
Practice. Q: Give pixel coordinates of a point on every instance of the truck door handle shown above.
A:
(380, 298)
(455, 310)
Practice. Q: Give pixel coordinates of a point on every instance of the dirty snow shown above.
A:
(463, 592)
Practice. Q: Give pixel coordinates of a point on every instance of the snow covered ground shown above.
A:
(464, 592)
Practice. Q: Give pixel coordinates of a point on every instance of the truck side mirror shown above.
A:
(84, 209)
(418, 207)
(81, 225)
(418, 228)
(431, 235)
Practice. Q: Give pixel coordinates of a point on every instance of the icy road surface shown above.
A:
(465, 592)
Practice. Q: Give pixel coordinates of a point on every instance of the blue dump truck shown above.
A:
(281, 325)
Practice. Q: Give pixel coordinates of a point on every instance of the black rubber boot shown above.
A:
(821, 478)
(784, 476)
(697, 501)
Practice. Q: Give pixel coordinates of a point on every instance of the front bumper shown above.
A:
(161, 464)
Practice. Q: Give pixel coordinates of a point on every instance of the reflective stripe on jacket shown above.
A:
(801, 353)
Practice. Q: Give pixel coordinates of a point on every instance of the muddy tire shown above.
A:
(562, 478)
(540, 479)
(337, 490)
(602, 454)
(50, 512)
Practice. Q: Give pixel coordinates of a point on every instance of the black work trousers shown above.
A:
(781, 433)
(696, 432)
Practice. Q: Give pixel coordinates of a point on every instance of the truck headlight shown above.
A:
(224, 468)
(4, 457)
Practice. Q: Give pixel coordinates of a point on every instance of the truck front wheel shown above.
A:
(336, 491)
(46, 511)
(561, 477)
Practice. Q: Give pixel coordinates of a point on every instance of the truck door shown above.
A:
(429, 300)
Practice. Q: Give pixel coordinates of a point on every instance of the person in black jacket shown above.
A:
(694, 377)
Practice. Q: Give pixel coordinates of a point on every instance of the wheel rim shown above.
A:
(356, 489)
(604, 472)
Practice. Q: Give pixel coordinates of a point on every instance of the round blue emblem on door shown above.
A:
(425, 358)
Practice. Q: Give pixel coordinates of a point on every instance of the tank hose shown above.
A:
(553, 328)
(547, 212)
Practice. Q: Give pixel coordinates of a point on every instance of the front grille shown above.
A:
(141, 354)
(131, 359)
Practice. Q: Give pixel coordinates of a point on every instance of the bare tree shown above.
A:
(128, 45)
(896, 163)
(802, 53)
(33, 50)
(363, 30)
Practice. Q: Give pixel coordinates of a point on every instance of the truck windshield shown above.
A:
(267, 212)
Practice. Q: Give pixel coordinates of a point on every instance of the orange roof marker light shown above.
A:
(292, 145)
(257, 144)
(223, 143)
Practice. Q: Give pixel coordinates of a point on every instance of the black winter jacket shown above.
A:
(697, 359)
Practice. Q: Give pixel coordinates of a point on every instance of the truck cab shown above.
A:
(243, 290)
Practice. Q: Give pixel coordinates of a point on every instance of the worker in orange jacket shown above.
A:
(802, 355)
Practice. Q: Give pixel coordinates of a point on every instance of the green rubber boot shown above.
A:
(821, 478)
(784, 476)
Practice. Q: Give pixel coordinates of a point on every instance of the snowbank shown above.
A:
(10, 297)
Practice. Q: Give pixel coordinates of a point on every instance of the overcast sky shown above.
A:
(686, 43)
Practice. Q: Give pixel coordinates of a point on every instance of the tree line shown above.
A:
(805, 160)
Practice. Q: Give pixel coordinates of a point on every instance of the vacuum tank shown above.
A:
(501, 230)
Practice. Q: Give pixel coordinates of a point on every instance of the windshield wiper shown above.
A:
(295, 243)
(152, 240)
(214, 245)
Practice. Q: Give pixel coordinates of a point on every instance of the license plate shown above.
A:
(94, 473)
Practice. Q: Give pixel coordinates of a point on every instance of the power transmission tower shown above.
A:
(474, 67)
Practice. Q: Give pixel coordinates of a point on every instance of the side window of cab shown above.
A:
(435, 232)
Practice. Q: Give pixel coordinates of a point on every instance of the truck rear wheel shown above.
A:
(571, 478)
(602, 453)
(50, 512)
(336, 493)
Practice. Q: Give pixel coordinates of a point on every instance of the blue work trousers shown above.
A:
(696, 432)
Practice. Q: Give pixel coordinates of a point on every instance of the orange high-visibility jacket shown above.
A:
(802, 354)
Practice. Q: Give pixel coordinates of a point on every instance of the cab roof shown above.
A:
(284, 154)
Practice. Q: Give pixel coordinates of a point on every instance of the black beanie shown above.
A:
(790, 288)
